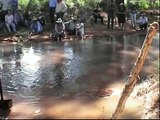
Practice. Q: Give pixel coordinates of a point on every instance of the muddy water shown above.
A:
(50, 80)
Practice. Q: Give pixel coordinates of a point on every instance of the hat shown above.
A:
(121, 4)
(19, 8)
(143, 14)
(59, 20)
(34, 18)
(74, 18)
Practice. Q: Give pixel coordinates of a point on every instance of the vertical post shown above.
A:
(136, 70)
(1, 91)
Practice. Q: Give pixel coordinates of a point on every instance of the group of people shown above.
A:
(12, 18)
(119, 11)
(10, 21)
(15, 17)
(57, 9)
(72, 27)
(143, 20)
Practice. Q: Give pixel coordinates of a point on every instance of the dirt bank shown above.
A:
(91, 31)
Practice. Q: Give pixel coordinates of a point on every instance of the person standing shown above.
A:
(14, 6)
(111, 15)
(9, 21)
(80, 29)
(133, 15)
(96, 14)
(6, 5)
(61, 8)
(121, 14)
(52, 8)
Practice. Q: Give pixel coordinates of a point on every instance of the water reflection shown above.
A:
(39, 70)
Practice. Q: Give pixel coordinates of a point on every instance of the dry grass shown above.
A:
(149, 92)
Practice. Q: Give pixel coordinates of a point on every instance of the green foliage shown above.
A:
(82, 3)
(91, 3)
(43, 4)
(34, 4)
(157, 4)
(23, 3)
(145, 4)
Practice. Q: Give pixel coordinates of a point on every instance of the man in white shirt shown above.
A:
(9, 21)
(61, 8)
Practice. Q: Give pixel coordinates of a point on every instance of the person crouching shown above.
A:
(59, 30)
(71, 26)
(143, 21)
(36, 27)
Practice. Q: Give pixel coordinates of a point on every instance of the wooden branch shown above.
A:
(136, 69)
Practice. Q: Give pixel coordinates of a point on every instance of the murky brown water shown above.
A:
(47, 80)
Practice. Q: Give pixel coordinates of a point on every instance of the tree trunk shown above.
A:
(136, 70)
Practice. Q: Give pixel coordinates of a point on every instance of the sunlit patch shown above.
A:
(75, 109)
(30, 58)
(45, 37)
(34, 37)
(24, 110)
(79, 107)
(149, 69)
(96, 108)
(68, 53)
(129, 53)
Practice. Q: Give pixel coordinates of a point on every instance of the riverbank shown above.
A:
(91, 31)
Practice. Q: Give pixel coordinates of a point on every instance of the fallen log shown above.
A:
(132, 79)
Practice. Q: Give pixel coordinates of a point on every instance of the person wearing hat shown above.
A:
(121, 14)
(19, 18)
(36, 27)
(59, 30)
(71, 26)
(143, 21)
(61, 8)
(96, 14)
(9, 21)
